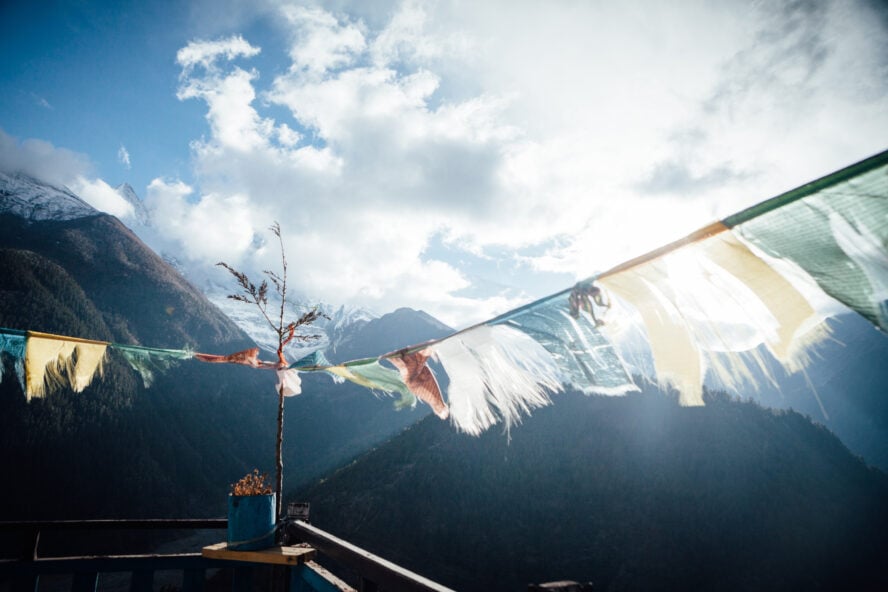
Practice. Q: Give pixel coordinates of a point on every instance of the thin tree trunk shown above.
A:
(280, 458)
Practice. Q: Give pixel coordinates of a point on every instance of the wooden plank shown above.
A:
(272, 555)
(373, 568)
(311, 577)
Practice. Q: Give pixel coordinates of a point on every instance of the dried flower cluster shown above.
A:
(251, 484)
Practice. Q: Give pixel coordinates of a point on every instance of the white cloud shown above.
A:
(123, 156)
(102, 197)
(42, 102)
(604, 129)
(41, 159)
(287, 136)
(320, 41)
(213, 228)
(205, 53)
(382, 149)
(408, 38)
(64, 168)
(234, 122)
(732, 103)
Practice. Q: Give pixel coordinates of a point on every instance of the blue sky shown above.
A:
(94, 76)
(458, 157)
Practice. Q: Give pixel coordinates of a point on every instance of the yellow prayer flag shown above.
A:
(52, 362)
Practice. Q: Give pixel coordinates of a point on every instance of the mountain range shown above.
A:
(68, 269)
(32, 200)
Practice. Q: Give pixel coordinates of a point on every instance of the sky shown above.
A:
(458, 157)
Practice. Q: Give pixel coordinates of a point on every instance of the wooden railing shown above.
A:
(375, 572)
(22, 572)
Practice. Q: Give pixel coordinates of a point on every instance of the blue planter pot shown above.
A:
(251, 522)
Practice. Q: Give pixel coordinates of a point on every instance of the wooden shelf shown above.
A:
(273, 555)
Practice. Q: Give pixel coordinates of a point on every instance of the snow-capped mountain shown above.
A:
(34, 200)
(338, 330)
(245, 316)
(28, 198)
(142, 216)
(342, 325)
(92, 277)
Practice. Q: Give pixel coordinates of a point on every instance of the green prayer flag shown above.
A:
(148, 361)
(12, 343)
(315, 358)
(387, 380)
(839, 236)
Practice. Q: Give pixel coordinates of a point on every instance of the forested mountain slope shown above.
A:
(123, 449)
(631, 493)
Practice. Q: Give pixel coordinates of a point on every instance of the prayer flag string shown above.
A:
(714, 302)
